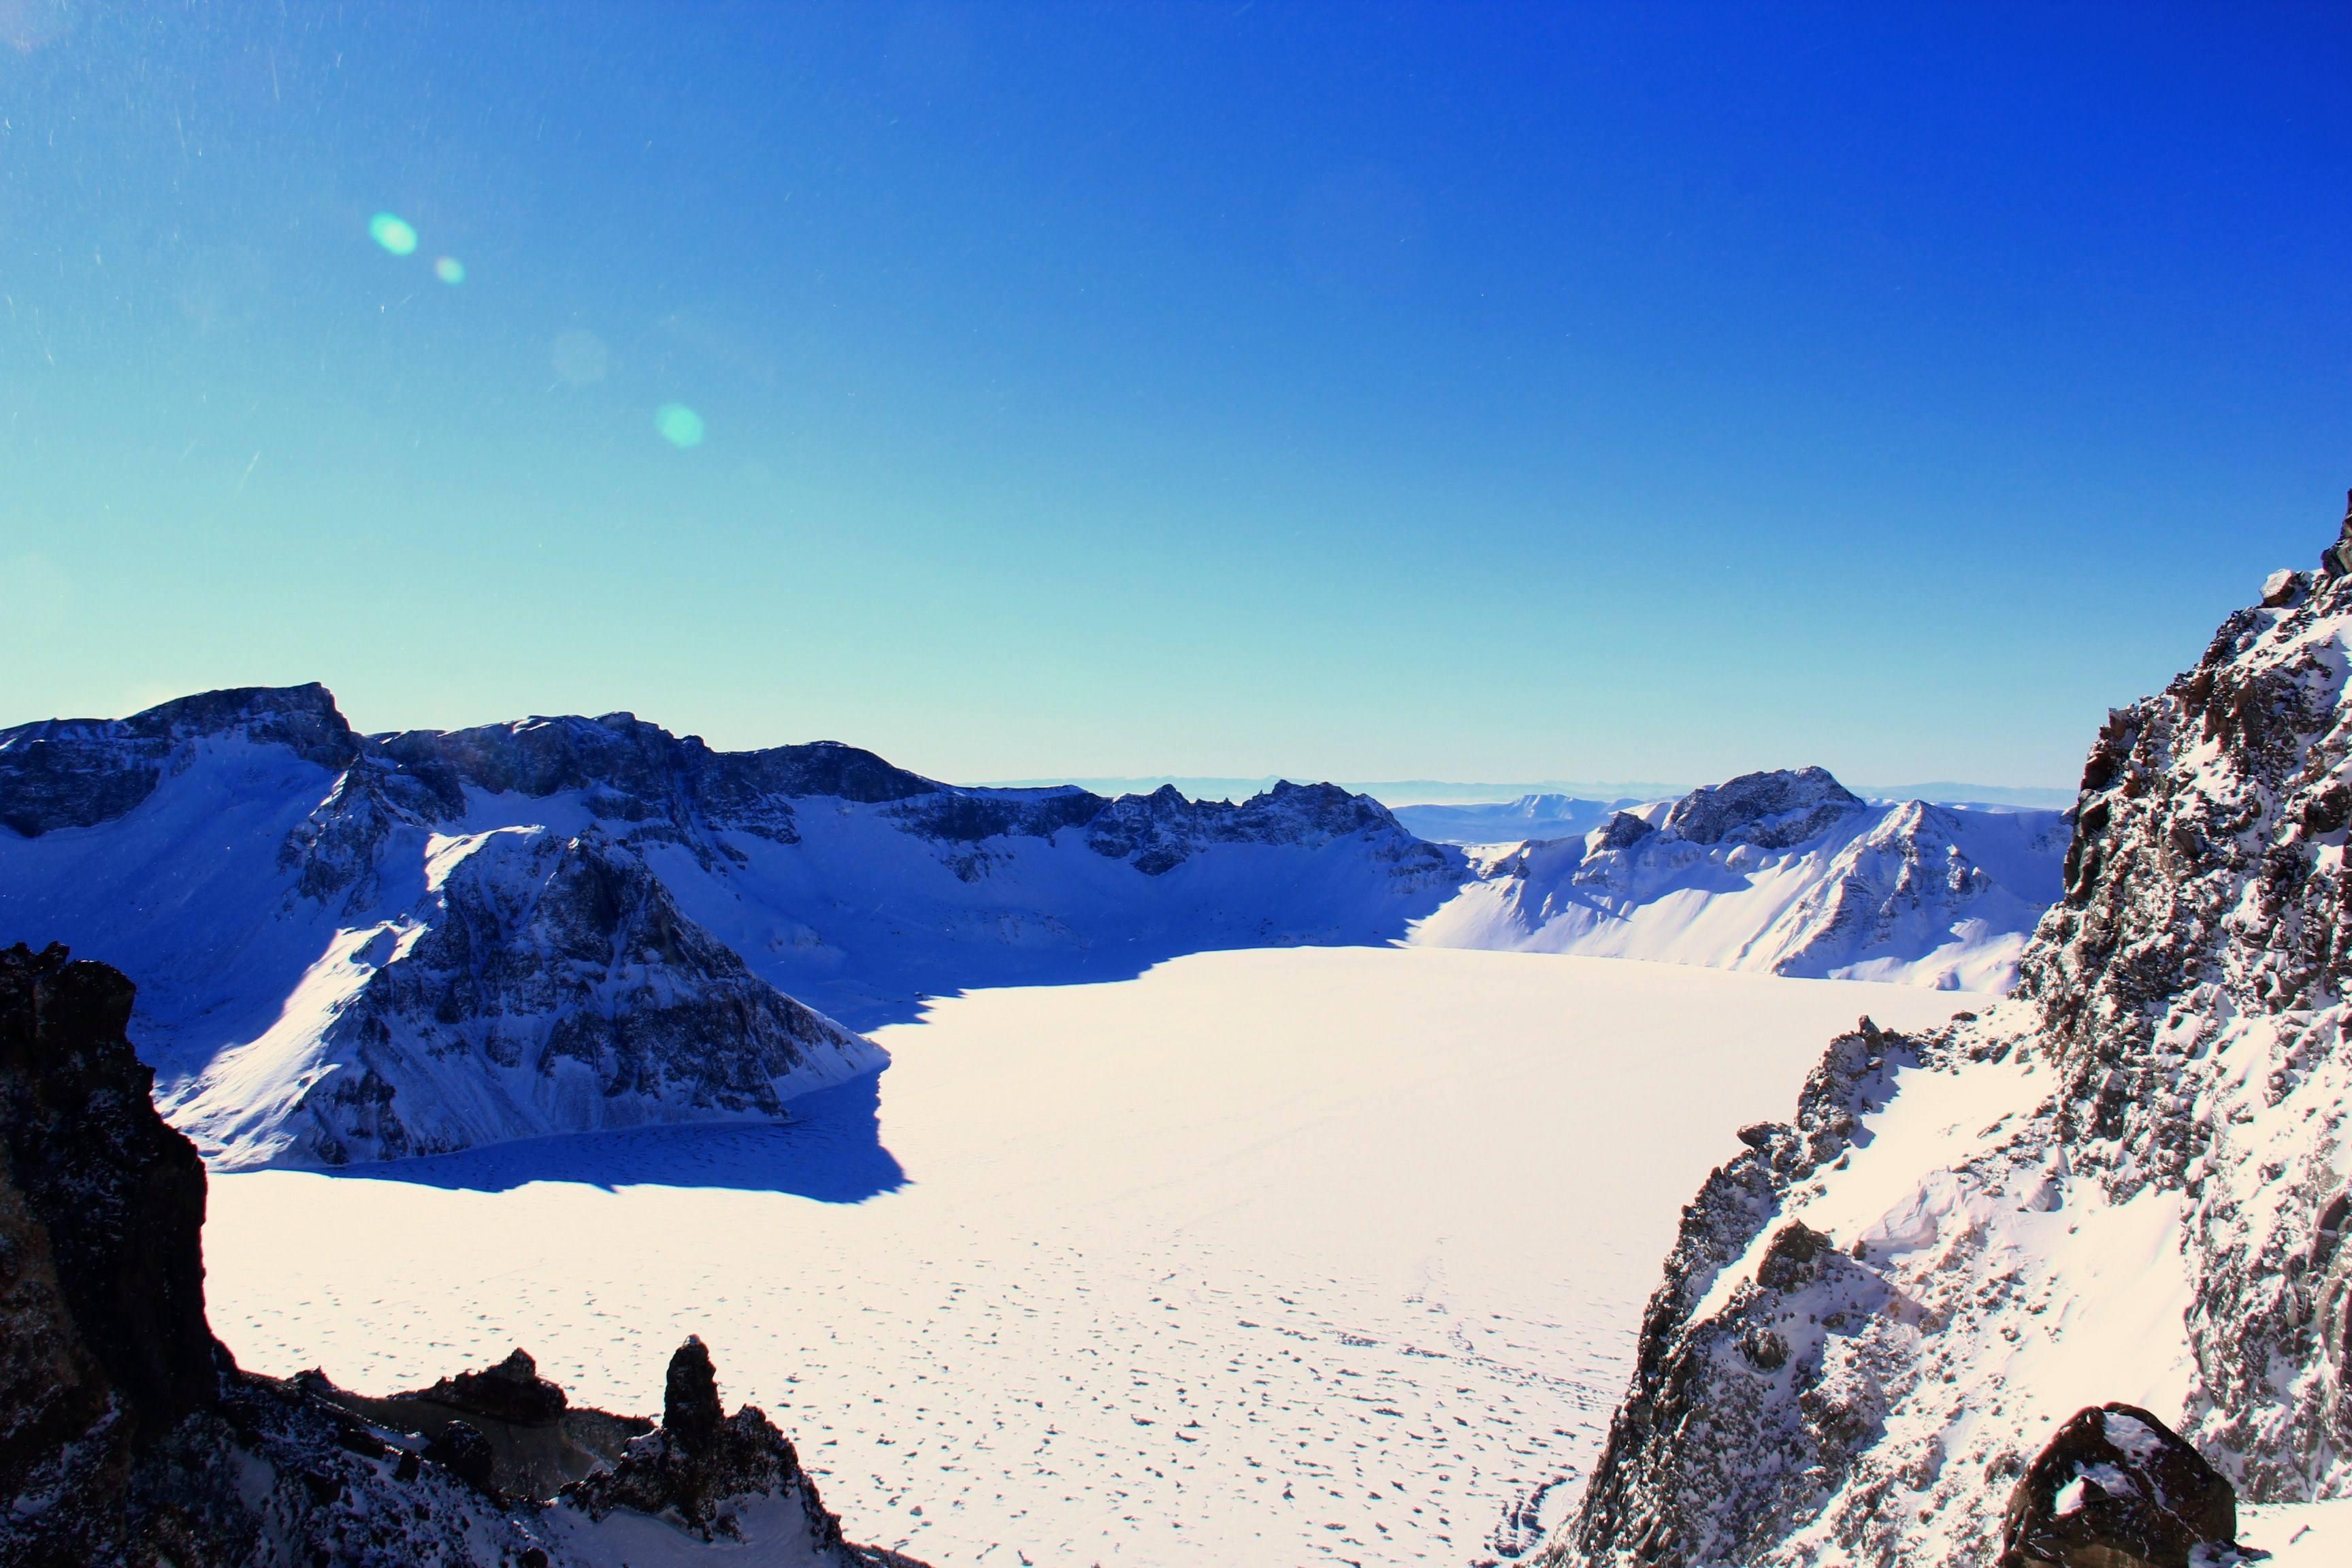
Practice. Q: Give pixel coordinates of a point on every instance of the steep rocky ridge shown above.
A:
(2126, 1184)
(129, 1437)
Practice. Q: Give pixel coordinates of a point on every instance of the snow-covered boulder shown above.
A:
(2115, 1488)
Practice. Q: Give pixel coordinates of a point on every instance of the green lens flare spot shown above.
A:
(449, 269)
(392, 232)
(679, 426)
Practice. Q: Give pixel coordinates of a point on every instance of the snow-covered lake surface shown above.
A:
(1262, 1256)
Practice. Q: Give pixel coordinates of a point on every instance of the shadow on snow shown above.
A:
(830, 1150)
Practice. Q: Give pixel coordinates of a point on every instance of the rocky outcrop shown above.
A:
(699, 1465)
(2119, 1488)
(562, 987)
(1716, 1449)
(1157, 832)
(2154, 1187)
(101, 1279)
(505, 1428)
(129, 1439)
(1769, 810)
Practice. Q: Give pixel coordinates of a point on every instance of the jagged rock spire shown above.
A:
(690, 1401)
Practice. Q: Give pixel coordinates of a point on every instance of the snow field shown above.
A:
(1263, 1257)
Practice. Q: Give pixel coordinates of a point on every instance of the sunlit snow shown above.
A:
(1263, 1257)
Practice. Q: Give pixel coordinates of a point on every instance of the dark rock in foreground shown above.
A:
(2117, 1489)
(129, 1437)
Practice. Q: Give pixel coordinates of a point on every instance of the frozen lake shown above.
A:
(1266, 1257)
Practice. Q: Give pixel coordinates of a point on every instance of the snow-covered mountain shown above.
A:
(2128, 1182)
(1543, 815)
(356, 947)
(1786, 873)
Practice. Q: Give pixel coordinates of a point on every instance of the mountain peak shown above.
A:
(1770, 810)
(77, 772)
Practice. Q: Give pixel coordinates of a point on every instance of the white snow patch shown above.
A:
(2299, 1535)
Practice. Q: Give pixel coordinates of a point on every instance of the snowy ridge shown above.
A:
(1787, 873)
(355, 948)
(2128, 1183)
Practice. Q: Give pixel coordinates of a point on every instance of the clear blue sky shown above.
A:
(1354, 390)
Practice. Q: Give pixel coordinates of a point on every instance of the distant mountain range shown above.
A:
(354, 947)
(1399, 792)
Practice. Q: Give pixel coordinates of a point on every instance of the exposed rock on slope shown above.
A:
(2119, 1488)
(558, 988)
(129, 1437)
(2128, 1183)
(1784, 872)
(354, 947)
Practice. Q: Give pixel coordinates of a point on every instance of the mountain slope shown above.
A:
(1784, 872)
(2128, 1182)
(354, 947)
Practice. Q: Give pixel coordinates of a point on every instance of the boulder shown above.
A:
(2115, 1488)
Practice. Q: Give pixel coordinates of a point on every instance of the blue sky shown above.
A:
(1356, 391)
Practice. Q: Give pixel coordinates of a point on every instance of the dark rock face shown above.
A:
(533, 1441)
(129, 1439)
(512, 1391)
(1623, 831)
(102, 1205)
(2207, 917)
(690, 1407)
(2116, 1488)
(1772, 811)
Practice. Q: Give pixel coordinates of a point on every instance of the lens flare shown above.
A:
(679, 426)
(392, 233)
(449, 269)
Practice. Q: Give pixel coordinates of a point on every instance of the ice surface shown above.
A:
(2300, 1535)
(1262, 1256)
